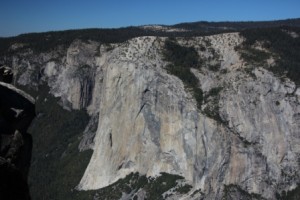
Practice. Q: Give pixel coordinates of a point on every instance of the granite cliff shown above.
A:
(240, 140)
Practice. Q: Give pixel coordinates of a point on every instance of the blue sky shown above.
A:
(20, 16)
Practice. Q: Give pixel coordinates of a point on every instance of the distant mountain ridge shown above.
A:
(237, 25)
(48, 40)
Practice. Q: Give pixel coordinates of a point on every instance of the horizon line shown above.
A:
(154, 24)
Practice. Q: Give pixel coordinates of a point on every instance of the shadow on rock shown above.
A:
(17, 110)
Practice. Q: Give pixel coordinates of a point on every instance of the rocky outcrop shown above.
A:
(150, 123)
(16, 114)
(6, 74)
(243, 140)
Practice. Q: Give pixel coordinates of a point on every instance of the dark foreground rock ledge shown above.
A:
(17, 110)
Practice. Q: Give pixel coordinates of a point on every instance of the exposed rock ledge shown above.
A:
(17, 110)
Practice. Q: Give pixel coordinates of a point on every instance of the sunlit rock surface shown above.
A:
(145, 120)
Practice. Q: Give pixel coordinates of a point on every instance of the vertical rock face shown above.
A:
(145, 120)
(146, 136)
(265, 119)
(73, 79)
(149, 123)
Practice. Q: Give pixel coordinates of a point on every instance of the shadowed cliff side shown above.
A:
(17, 110)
